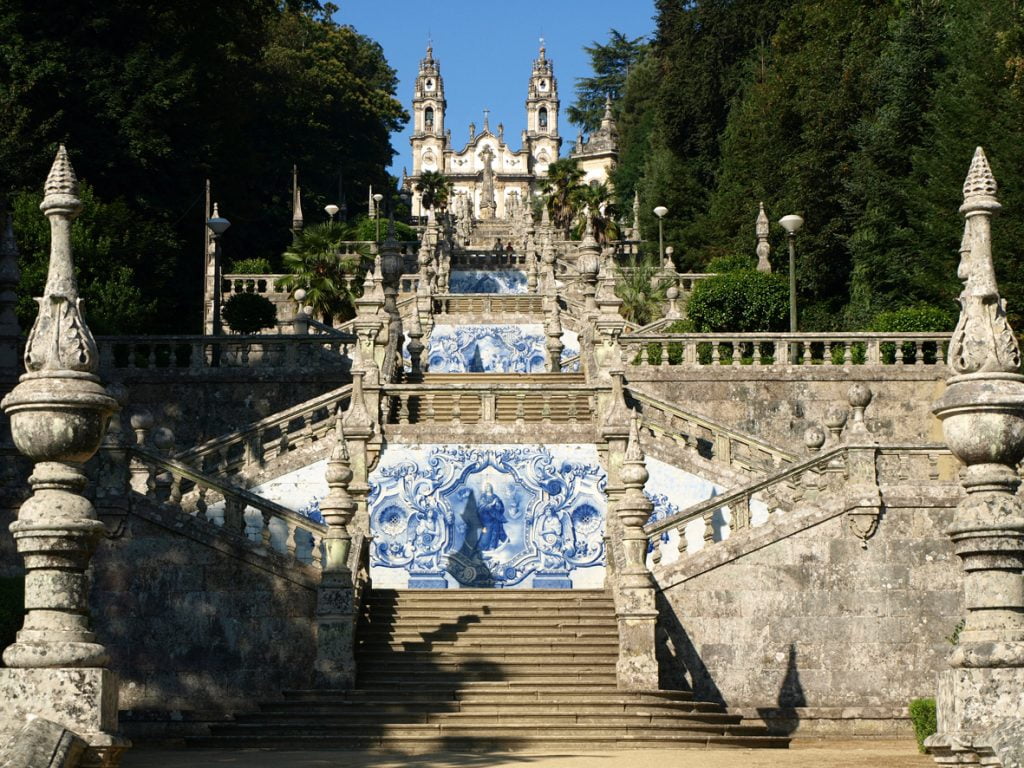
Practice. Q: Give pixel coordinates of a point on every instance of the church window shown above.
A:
(542, 117)
(428, 118)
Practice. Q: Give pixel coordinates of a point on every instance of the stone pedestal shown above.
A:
(335, 621)
(637, 667)
(82, 700)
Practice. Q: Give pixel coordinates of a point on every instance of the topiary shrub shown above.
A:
(249, 313)
(733, 262)
(251, 267)
(922, 715)
(740, 301)
(12, 609)
(922, 318)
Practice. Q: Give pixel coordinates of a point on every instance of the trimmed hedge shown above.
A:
(923, 716)
(740, 301)
(251, 267)
(249, 313)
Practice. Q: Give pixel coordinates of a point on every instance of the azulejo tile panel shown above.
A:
(487, 281)
(512, 348)
(488, 516)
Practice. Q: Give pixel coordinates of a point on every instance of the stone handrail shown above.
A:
(786, 482)
(716, 442)
(764, 349)
(263, 522)
(510, 399)
(575, 310)
(262, 440)
(201, 353)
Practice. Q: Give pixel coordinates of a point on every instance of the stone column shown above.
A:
(335, 665)
(982, 413)
(59, 413)
(10, 331)
(637, 667)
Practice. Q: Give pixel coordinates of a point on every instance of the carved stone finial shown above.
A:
(764, 249)
(60, 340)
(634, 471)
(339, 471)
(297, 221)
(983, 341)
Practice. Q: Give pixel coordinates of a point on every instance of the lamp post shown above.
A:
(217, 226)
(376, 210)
(660, 212)
(332, 210)
(792, 224)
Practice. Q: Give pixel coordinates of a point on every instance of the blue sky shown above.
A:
(486, 49)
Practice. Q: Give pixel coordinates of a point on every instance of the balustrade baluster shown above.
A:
(709, 528)
(899, 353)
(918, 353)
(572, 409)
(456, 408)
(663, 347)
(201, 505)
(430, 408)
(317, 552)
(234, 515)
(265, 537)
(403, 408)
(175, 495)
(683, 543)
(545, 410)
(690, 353)
(306, 431)
(289, 540)
(656, 551)
(737, 353)
(520, 408)
(808, 356)
(716, 355)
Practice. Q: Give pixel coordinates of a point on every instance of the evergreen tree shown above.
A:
(611, 63)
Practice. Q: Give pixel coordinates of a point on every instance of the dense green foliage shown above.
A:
(251, 267)
(611, 63)
(152, 99)
(919, 319)
(249, 313)
(641, 286)
(923, 717)
(740, 301)
(861, 116)
(12, 609)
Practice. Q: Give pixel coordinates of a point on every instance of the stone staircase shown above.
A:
(488, 670)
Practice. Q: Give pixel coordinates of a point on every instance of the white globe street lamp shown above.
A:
(660, 212)
(792, 224)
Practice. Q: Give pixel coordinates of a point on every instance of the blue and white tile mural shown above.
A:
(493, 348)
(487, 281)
(508, 516)
(488, 516)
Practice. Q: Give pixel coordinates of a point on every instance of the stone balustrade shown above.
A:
(895, 464)
(264, 440)
(482, 259)
(765, 349)
(501, 398)
(709, 439)
(239, 512)
(489, 303)
(199, 353)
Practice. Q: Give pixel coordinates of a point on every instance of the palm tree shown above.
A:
(561, 187)
(317, 267)
(597, 200)
(435, 190)
(642, 290)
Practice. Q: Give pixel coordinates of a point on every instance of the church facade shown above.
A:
(490, 179)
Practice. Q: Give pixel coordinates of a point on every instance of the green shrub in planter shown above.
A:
(922, 715)
(249, 313)
(251, 267)
(740, 301)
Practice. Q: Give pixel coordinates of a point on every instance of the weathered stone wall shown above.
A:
(837, 639)
(779, 405)
(200, 407)
(198, 626)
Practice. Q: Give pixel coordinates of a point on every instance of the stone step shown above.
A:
(710, 722)
(426, 622)
(488, 612)
(490, 707)
(428, 659)
(490, 693)
(398, 677)
(515, 742)
(525, 643)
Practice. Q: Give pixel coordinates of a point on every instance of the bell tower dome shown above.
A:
(428, 106)
(542, 113)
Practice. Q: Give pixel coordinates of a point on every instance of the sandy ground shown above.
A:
(801, 754)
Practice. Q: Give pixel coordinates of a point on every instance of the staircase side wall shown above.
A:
(814, 633)
(779, 405)
(198, 630)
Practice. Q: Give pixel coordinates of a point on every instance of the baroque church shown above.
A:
(490, 179)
